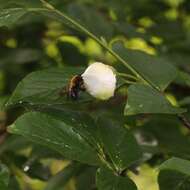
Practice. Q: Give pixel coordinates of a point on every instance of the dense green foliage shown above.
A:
(50, 142)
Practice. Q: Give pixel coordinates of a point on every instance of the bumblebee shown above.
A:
(74, 87)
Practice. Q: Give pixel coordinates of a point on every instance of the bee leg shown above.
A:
(73, 94)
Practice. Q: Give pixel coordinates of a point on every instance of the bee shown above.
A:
(74, 87)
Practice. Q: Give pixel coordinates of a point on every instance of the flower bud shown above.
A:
(99, 80)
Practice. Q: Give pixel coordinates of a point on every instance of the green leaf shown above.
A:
(59, 181)
(177, 164)
(4, 177)
(171, 179)
(157, 71)
(174, 174)
(11, 15)
(119, 143)
(55, 134)
(84, 124)
(144, 99)
(44, 87)
(42, 152)
(107, 180)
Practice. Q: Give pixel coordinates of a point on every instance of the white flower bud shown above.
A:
(99, 80)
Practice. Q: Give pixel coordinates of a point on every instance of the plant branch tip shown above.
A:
(47, 5)
(185, 121)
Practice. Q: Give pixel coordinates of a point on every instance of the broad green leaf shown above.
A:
(42, 152)
(55, 134)
(48, 88)
(157, 71)
(144, 99)
(177, 164)
(44, 87)
(172, 179)
(59, 181)
(4, 177)
(11, 15)
(82, 122)
(107, 180)
(119, 143)
(174, 174)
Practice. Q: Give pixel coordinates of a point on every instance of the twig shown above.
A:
(127, 76)
(184, 120)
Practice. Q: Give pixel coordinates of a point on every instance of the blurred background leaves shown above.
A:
(150, 30)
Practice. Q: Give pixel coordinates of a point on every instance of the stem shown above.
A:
(127, 76)
(103, 160)
(184, 120)
(129, 82)
(52, 8)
